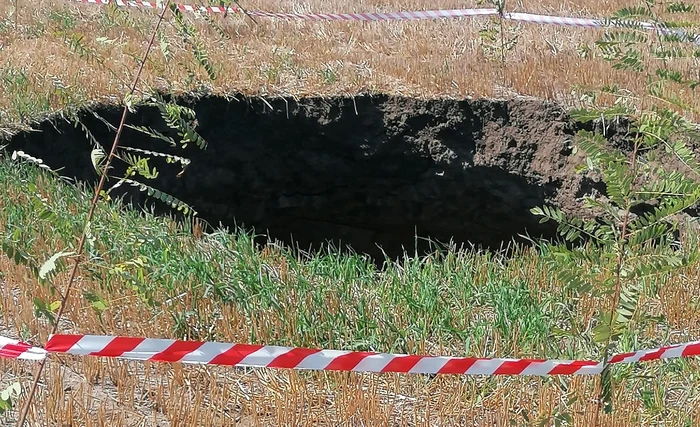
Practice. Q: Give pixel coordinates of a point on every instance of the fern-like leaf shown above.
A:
(680, 7)
(174, 202)
(615, 38)
(644, 228)
(153, 133)
(170, 158)
(633, 12)
(202, 57)
(164, 46)
(33, 160)
(98, 157)
(207, 17)
(595, 147)
(51, 265)
(629, 300)
(649, 265)
(138, 166)
(598, 112)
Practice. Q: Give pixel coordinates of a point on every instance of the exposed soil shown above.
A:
(367, 171)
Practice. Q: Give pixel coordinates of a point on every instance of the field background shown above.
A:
(64, 55)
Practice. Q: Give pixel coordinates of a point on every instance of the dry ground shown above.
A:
(424, 59)
(106, 392)
(46, 65)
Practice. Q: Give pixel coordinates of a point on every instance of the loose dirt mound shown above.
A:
(362, 171)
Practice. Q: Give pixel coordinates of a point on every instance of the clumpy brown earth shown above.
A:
(367, 171)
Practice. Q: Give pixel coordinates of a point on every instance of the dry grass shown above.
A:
(423, 59)
(274, 57)
(100, 392)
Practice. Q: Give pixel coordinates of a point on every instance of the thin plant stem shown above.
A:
(618, 285)
(81, 243)
(16, 17)
(503, 48)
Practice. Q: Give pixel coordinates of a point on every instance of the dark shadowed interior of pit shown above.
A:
(366, 172)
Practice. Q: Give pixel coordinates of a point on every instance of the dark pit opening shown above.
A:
(368, 171)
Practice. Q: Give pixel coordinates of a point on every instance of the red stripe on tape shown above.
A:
(514, 367)
(291, 358)
(620, 357)
(235, 354)
(691, 350)
(118, 346)
(570, 368)
(459, 366)
(283, 357)
(176, 351)
(655, 354)
(62, 343)
(13, 351)
(347, 362)
(402, 363)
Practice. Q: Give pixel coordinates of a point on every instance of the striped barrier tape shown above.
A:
(409, 16)
(123, 3)
(212, 353)
(264, 356)
(661, 353)
(553, 20)
(368, 16)
(13, 349)
(571, 22)
(597, 23)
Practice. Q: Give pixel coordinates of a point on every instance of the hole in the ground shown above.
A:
(368, 172)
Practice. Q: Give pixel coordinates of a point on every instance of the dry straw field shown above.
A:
(56, 54)
(91, 51)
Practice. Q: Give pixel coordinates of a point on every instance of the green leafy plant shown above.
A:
(634, 233)
(497, 40)
(137, 166)
(189, 36)
(7, 395)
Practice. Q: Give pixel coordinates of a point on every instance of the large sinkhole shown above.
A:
(365, 172)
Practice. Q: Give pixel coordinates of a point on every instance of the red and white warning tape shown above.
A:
(400, 16)
(263, 356)
(594, 23)
(668, 352)
(212, 353)
(123, 3)
(13, 349)
(569, 22)
(553, 20)
(368, 16)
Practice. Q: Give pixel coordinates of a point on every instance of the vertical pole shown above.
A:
(501, 4)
